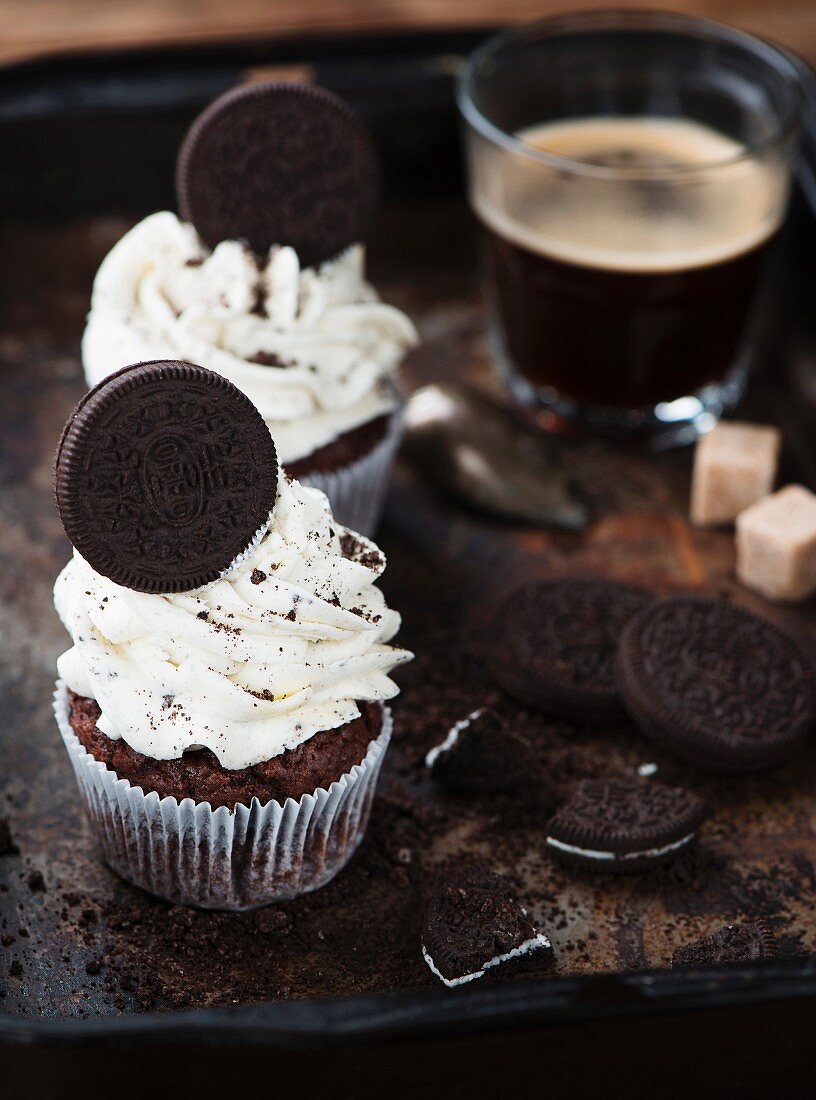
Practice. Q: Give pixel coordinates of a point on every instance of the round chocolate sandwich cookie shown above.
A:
(473, 927)
(164, 474)
(552, 645)
(624, 825)
(715, 684)
(731, 943)
(283, 164)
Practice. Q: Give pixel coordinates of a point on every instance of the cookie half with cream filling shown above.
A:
(623, 825)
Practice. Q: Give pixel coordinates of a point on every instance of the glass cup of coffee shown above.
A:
(630, 171)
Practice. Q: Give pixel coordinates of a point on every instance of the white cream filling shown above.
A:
(592, 853)
(534, 944)
(452, 737)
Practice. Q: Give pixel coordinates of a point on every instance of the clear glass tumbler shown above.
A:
(630, 172)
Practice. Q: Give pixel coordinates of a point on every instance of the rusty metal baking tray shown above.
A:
(102, 984)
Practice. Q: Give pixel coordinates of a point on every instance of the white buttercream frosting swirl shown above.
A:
(279, 648)
(329, 349)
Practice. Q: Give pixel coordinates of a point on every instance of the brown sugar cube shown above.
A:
(734, 467)
(776, 545)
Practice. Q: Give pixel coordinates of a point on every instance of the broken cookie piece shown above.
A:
(731, 943)
(624, 825)
(481, 756)
(734, 467)
(776, 545)
(473, 927)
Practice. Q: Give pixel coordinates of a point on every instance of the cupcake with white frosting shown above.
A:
(226, 738)
(301, 333)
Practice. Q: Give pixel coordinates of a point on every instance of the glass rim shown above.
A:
(621, 19)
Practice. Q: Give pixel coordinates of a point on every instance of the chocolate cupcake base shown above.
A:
(240, 858)
(318, 762)
(357, 491)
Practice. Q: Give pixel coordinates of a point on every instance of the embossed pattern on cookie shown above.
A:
(715, 684)
(729, 944)
(552, 645)
(279, 164)
(474, 928)
(164, 474)
(624, 825)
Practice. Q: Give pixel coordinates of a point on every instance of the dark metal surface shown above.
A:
(446, 567)
(74, 130)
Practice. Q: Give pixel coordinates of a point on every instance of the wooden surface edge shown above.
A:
(31, 29)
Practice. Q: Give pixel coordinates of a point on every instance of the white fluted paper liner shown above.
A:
(223, 859)
(357, 492)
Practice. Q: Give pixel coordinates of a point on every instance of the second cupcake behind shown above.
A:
(262, 279)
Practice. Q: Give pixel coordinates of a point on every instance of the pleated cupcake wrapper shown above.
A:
(357, 492)
(244, 858)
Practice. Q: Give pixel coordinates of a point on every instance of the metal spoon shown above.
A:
(482, 453)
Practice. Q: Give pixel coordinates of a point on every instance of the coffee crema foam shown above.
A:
(631, 223)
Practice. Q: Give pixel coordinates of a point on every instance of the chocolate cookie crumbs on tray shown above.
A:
(7, 845)
(36, 882)
(163, 955)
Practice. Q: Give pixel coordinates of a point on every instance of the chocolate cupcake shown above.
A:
(226, 737)
(269, 290)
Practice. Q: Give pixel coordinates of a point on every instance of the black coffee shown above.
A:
(619, 338)
(627, 293)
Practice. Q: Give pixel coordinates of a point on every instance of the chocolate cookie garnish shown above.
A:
(284, 164)
(164, 474)
(731, 943)
(552, 645)
(473, 927)
(623, 825)
(715, 684)
(481, 756)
